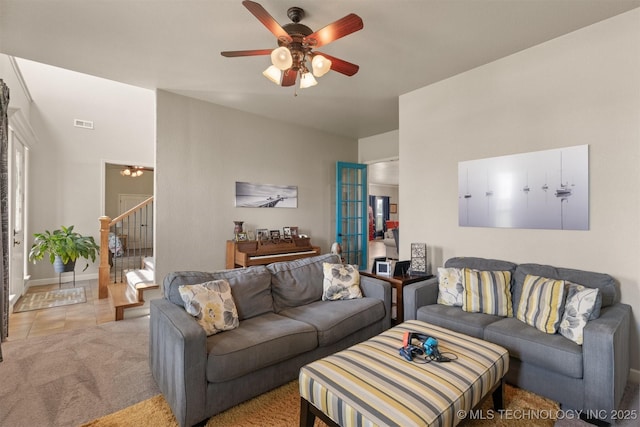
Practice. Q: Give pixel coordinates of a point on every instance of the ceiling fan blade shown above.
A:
(340, 65)
(267, 20)
(256, 52)
(338, 29)
(289, 78)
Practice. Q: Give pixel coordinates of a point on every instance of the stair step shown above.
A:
(122, 296)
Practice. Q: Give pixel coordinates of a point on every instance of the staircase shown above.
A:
(127, 268)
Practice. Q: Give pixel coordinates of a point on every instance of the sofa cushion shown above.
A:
(250, 287)
(341, 281)
(258, 342)
(551, 352)
(541, 303)
(450, 286)
(456, 319)
(212, 305)
(604, 282)
(335, 320)
(299, 282)
(580, 304)
(487, 292)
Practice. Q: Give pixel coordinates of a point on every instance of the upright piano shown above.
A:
(262, 252)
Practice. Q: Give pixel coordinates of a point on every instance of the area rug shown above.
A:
(48, 299)
(281, 408)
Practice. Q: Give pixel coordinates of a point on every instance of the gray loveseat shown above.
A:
(588, 377)
(284, 325)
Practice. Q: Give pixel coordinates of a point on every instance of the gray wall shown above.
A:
(203, 149)
(582, 88)
(67, 170)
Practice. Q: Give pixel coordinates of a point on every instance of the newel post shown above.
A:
(103, 270)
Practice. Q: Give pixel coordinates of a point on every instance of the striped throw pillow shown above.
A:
(487, 292)
(541, 303)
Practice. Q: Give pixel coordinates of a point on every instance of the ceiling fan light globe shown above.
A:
(125, 172)
(273, 74)
(320, 65)
(281, 58)
(307, 81)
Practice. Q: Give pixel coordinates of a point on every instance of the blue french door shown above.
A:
(351, 212)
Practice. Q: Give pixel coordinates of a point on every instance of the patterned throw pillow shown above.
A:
(450, 287)
(581, 302)
(212, 305)
(341, 281)
(541, 303)
(487, 292)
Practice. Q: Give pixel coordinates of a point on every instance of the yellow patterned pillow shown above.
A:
(450, 287)
(341, 281)
(487, 292)
(212, 305)
(541, 303)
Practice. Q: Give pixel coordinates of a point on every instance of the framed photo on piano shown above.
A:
(262, 234)
(294, 232)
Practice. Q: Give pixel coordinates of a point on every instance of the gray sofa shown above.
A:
(284, 325)
(588, 377)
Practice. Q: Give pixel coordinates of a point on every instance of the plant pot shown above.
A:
(60, 267)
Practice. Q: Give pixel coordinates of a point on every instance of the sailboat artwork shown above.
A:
(563, 190)
(561, 173)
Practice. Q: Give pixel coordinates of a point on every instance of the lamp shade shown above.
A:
(307, 80)
(320, 65)
(281, 58)
(273, 74)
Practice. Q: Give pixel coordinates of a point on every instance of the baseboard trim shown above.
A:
(67, 278)
(634, 376)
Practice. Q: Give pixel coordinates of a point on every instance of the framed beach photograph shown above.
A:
(251, 195)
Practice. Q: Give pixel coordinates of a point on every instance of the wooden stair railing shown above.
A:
(122, 295)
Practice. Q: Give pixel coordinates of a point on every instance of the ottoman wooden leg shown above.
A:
(307, 418)
(308, 414)
(498, 396)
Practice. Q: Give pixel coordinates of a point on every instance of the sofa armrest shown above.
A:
(419, 294)
(605, 354)
(178, 359)
(380, 289)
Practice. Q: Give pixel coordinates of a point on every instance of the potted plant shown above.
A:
(63, 247)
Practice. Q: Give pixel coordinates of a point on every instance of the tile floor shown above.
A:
(48, 321)
(95, 311)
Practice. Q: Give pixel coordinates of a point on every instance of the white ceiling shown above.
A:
(175, 45)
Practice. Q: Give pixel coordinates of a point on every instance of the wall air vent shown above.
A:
(85, 124)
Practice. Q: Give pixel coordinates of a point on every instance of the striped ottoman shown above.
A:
(370, 384)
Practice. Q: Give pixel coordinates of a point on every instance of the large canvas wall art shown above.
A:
(540, 190)
(249, 195)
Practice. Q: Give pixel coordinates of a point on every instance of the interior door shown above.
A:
(351, 212)
(17, 166)
(137, 230)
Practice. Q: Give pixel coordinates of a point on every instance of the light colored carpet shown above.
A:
(48, 299)
(72, 377)
(281, 408)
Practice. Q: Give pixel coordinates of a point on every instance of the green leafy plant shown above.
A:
(65, 243)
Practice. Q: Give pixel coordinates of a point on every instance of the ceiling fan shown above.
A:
(296, 43)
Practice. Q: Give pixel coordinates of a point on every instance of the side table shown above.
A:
(398, 282)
